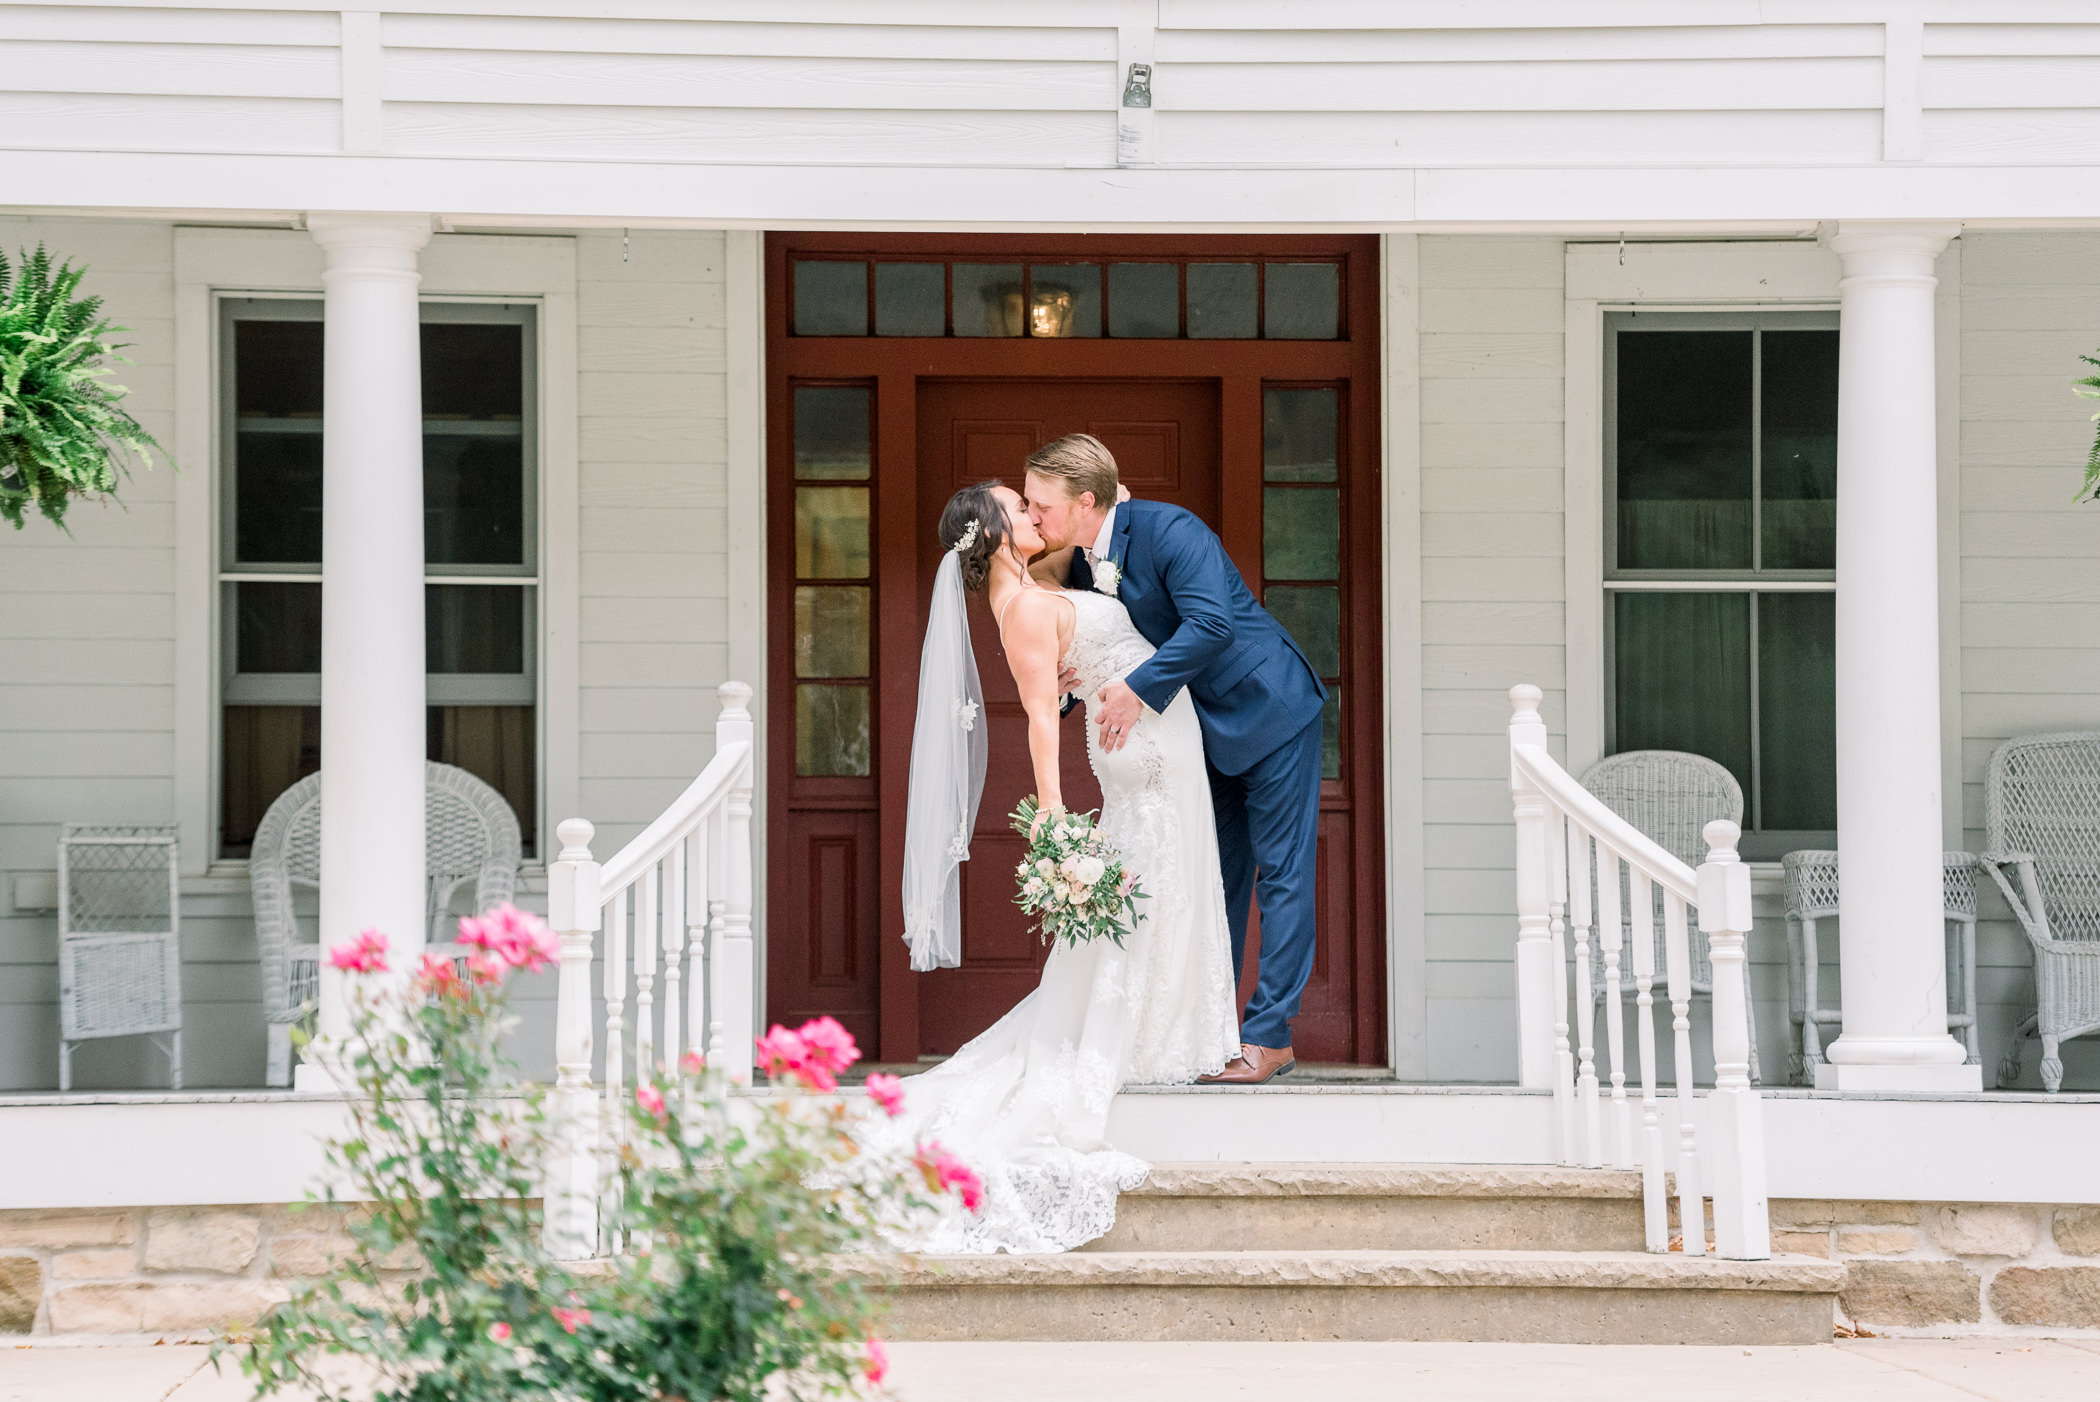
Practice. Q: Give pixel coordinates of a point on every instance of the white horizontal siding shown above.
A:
(193, 70)
(1811, 84)
(41, 121)
(1620, 41)
(900, 40)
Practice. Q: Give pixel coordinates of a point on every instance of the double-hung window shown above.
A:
(480, 540)
(1720, 552)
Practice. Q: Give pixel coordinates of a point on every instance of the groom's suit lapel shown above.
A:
(1119, 546)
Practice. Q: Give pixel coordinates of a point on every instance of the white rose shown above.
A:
(1069, 866)
(1044, 865)
(1090, 869)
(1078, 895)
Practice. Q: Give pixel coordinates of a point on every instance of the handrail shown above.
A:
(1566, 793)
(686, 812)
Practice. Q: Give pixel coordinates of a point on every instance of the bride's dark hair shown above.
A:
(975, 503)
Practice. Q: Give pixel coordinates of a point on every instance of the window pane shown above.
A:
(911, 299)
(1064, 299)
(473, 371)
(831, 299)
(264, 750)
(831, 631)
(277, 628)
(1301, 301)
(1314, 618)
(1221, 300)
(1331, 733)
(277, 369)
(1684, 450)
(1144, 299)
(473, 498)
(497, 745)
(474, 628)
(831, 431)
(987, 299)
(831, 730)
(277, 493)
(1681, 674)
(1298, 435)
(831, 532)
(1797, 710)
(1799, 450)
(1301, 532)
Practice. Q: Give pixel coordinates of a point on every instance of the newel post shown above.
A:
(573, 911)
(731, 965)
(1535, 980)
(1742, 1220)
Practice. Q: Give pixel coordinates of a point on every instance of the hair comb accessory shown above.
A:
(969, 537)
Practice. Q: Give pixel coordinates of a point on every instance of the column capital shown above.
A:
(1851, 239)
(339, 233)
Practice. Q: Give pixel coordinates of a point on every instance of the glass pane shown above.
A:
(497, 745)
(831, 631)
(277, 493)
(473, 372)
(277, 369)
(1064, 299)
(1313, 617)
(1681, 674)
(1221, 300)
(911, 299)
(1799, 447)
(277, 627)
(264, 750)
(1301, 532)
(473, 499)
(1331, 733)
(831, 299)
(831, 730)
(474, 628)
(1797, 710)
(1684, 450)
(831, 431)
(1301, 301)
(831, 532)
(1144, 299)
(987, 299)
(1298, 435)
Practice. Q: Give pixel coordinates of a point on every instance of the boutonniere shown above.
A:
(1107, 577)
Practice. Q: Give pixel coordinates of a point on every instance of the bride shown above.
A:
(1026, 1102)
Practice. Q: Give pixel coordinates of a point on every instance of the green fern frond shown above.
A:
(64, 431)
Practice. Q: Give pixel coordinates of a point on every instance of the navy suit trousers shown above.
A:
(1268, 839)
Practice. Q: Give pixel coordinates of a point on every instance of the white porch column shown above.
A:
(372, 693)
(1888, 684)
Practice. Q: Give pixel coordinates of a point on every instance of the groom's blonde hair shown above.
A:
(1082, 462)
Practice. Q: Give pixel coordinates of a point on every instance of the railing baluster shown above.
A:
(645, 943)
(615, 1054)
(1567, 1112)
(1691, 1200)
(1574, 883)
(571, 1218)
(1655, 1198)
(1736, 1135)
(1611, 936)
(672, 917)
(698, 863)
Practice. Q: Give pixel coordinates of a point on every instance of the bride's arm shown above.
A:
(1053, 567)
(1031, 651)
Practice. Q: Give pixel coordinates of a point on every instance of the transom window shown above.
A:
(1161, 299)
(1721, 445)
(480, 534)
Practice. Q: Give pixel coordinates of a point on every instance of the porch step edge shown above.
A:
(1293, 1180)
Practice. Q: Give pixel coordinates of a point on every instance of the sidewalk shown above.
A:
(1876, 1370)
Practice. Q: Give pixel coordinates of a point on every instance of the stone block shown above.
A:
(2077, 1231)
(308, 1256)
(1876, 1241)
(21, 1288)
(1809, 1213)
(1994, 1229)
(154, 1307)
(112, 1264)
(219, 1240)
(1801, 1244)
(55, 1229)
(1911, 1293)
(2065, 1297)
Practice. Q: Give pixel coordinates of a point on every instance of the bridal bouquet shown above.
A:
(1073, 879)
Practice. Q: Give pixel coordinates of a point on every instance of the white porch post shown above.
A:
(372, 690)
(1888, 682)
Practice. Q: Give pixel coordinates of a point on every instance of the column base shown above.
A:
(1927, 1080)
(311, 1076)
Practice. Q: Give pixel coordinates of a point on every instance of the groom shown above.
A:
(1257, 697)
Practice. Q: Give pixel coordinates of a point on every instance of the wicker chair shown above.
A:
(470, 836)
(1670, 796)
(2042, 831)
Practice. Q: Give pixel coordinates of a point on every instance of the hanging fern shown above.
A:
(2089, 387)
(62, 428)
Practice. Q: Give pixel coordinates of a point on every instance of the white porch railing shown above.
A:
(1572, 853)
(675, 907)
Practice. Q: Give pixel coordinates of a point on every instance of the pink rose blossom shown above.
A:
(944, 1172)
(500, 1332)
(888, 1092)
(692, 1063)
(364, 955)
(651, 1100)
(570, 1319)
(876, 1362)
(784, 1054)
(830, 1045)
(486, 967)
(520, 939)
(436, 975)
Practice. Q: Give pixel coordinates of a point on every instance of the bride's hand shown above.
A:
(1122, 494)
(1044, 813)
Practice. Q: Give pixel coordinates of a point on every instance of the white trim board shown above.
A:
(1407, 955)
(209, 262)
(744, 294)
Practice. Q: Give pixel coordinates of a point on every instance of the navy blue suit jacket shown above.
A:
(1252, 687)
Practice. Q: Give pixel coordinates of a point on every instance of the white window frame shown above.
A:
(211, 264)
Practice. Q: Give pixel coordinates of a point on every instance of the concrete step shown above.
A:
(1381, 1207)
(1482, 1296)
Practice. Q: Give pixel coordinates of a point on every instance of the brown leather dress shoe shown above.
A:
(1252, 1067)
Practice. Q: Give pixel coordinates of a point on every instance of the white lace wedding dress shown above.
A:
(1025, 1103)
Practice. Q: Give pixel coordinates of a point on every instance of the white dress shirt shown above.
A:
(1098, 551)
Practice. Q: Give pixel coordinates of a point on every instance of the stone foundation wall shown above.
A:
(1953, 1268)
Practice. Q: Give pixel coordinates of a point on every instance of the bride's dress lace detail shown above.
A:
(1026, 1102)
